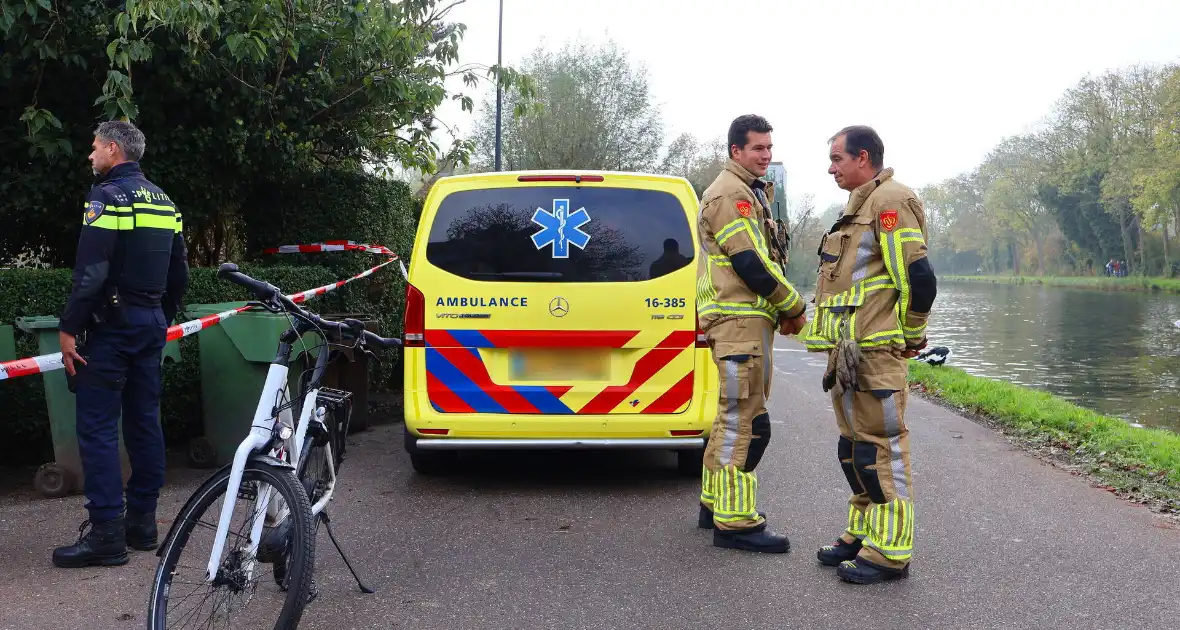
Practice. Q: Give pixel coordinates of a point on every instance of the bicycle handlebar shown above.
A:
(263, 290)
(269, 295)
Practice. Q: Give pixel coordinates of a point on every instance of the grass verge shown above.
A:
(1131, 283)
(1140, 464)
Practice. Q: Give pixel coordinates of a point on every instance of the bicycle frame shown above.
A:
(266, 429)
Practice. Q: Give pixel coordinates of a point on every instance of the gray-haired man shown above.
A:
(129, 277)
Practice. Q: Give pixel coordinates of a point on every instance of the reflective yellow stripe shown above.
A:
(891, 529)
(774, 268)
(720, 261)
(155, 221)
(911, 235)
(150, 206)
(105, 222)
(179, 224)
(737, 493)
(729, 231)
(750, 311)
(789, 303)
(856, 522)
(856, 295)
(110, 209)
(894, 255)
(708, 494)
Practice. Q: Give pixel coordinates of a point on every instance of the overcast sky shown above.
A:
(941, 81)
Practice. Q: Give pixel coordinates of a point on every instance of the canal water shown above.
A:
(1116, 352)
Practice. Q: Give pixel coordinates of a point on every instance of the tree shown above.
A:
(1157, 178)
(696, 161)
(1012, 172)
(227, 93)
(595, 111)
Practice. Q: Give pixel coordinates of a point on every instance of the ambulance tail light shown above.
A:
(702, 341)
(415, 320)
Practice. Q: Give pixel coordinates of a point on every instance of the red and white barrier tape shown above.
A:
(330, 246)
(340, 246)
(50, 362)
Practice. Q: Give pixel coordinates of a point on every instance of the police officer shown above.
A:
(129, 278)
(742, 294)
(874, 294)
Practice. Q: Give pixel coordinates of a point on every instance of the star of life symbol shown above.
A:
(560, 228)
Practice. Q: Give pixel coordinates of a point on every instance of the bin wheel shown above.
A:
(201, 453)
(53, 481)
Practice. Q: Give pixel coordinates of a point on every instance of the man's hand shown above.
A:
(792, 326)
(69, 352)
(913, 351)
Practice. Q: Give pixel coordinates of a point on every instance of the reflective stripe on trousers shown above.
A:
(741, 430)
(881, 511)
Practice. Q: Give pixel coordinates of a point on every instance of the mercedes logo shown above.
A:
(558, 307)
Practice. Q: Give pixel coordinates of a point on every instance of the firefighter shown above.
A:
(874, 293)
(129, 277)
(742, 295)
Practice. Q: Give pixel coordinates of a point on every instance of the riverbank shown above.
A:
(1141, 464)
(1130, 283)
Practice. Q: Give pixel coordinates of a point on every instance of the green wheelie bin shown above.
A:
(64, 475)
(235, 357)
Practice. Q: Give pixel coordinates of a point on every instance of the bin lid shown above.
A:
(255, 333)
(48, 322)
(38, 322)
(201, 310)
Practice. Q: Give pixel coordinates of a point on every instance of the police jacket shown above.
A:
(737, 275)
(875, 284)
(131, 251)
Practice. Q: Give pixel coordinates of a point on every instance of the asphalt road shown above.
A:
(609, 540)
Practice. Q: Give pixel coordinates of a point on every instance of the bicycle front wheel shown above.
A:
(180, 594)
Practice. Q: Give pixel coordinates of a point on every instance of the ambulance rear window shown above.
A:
(560, 234)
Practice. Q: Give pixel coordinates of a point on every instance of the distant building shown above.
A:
(777, 173)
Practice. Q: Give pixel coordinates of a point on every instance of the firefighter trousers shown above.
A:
(874, 452)
(743, 350)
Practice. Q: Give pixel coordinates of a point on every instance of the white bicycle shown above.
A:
(284, 473)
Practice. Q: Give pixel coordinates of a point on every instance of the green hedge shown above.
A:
(30, 292)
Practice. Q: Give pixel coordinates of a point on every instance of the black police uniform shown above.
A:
(129, 278)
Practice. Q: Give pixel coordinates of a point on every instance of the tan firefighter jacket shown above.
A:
(741, 272)
(863, 291)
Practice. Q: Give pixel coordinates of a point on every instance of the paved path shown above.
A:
(608, 540)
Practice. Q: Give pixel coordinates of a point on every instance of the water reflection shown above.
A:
(1115, 352)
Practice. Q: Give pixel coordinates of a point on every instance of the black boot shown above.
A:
(141, 531)
(833, 555)
(705, 517)
(104, 545)
(757, 538)
(861, 571)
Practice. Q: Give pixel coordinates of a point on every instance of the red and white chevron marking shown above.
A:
(50, 362)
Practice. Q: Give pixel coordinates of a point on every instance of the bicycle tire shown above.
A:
(302, 548)
(314, 456)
